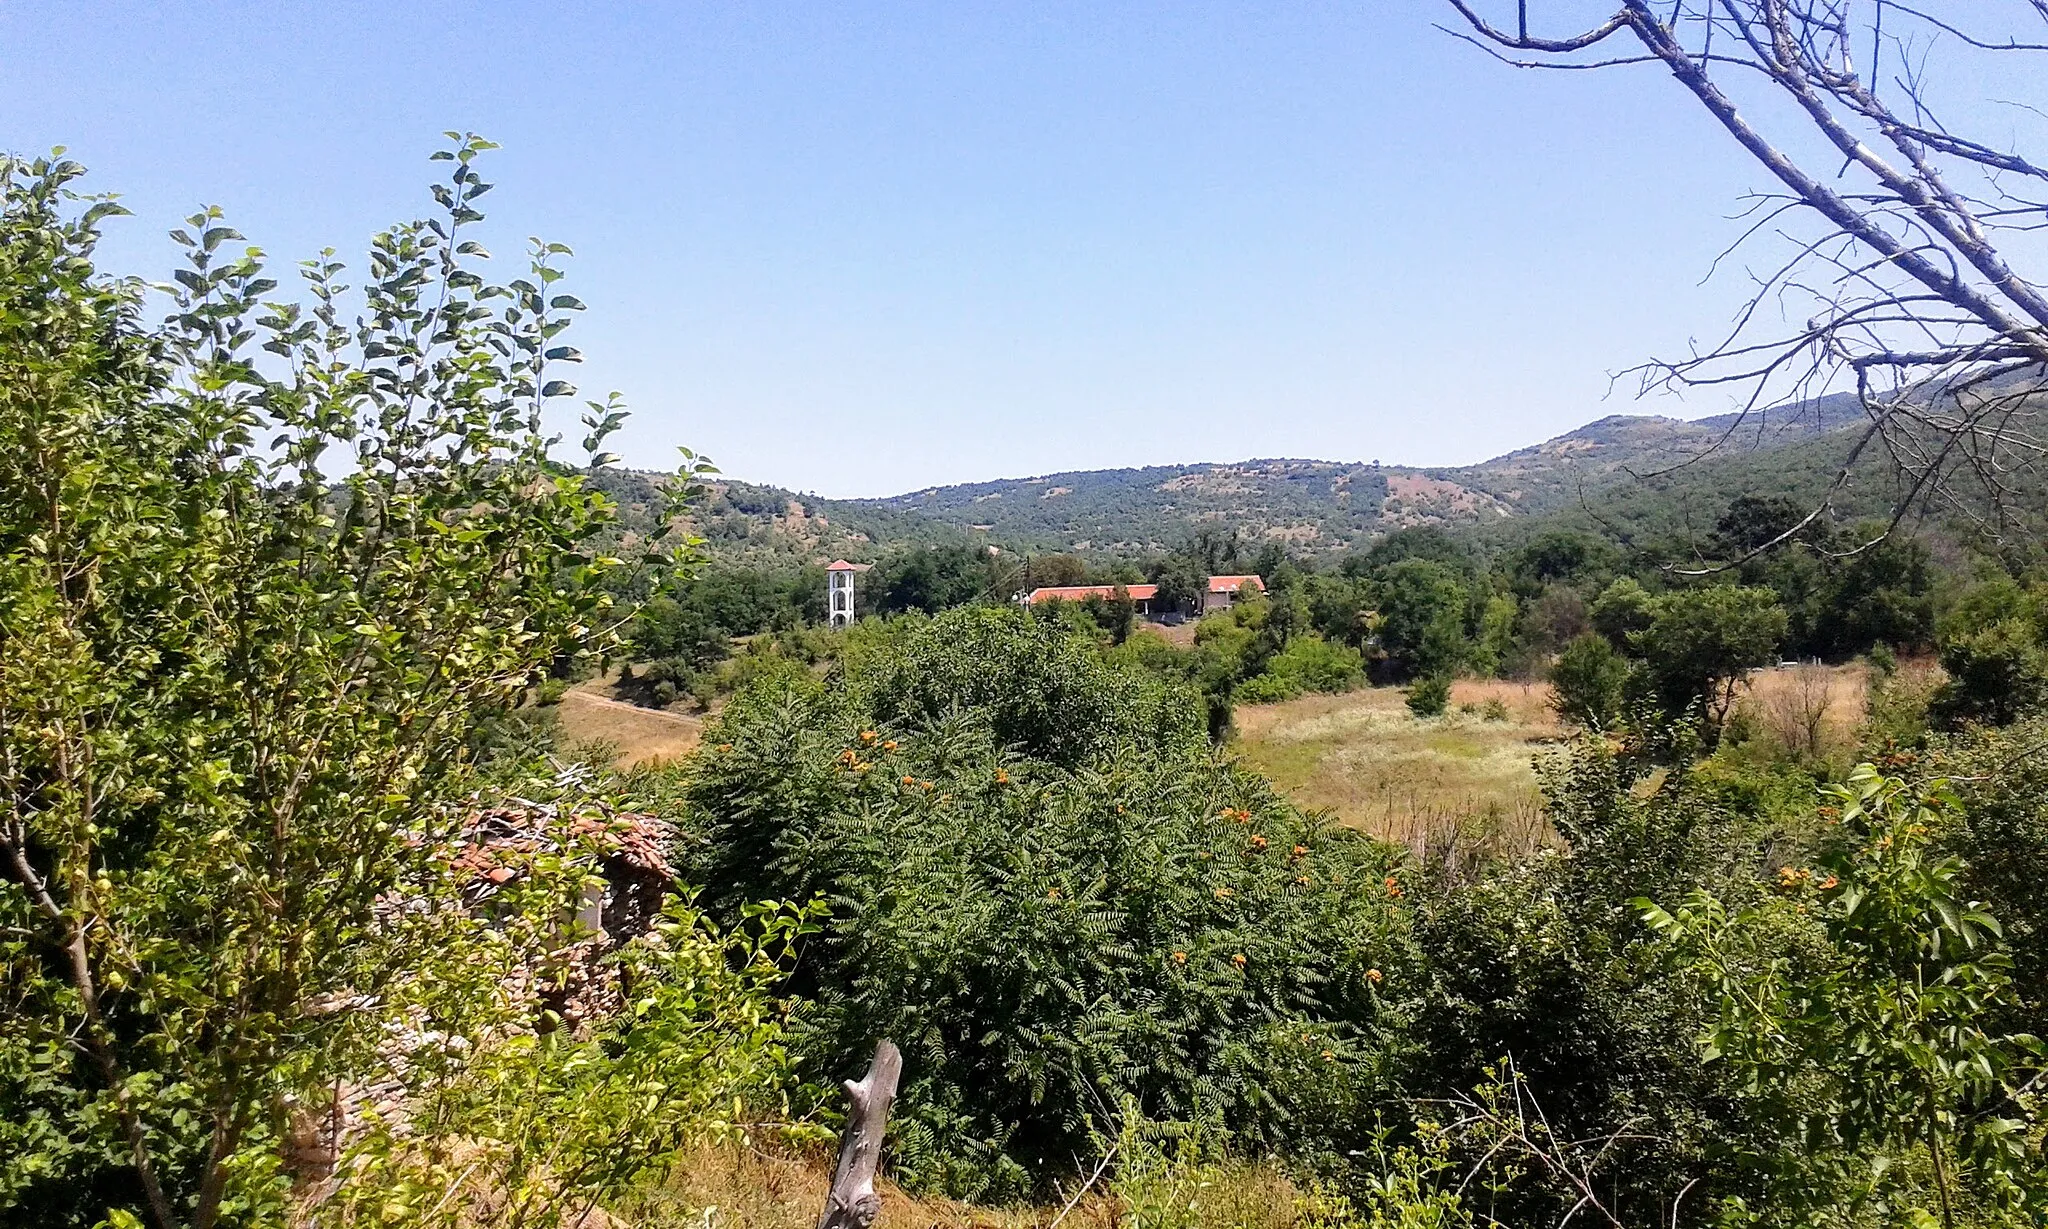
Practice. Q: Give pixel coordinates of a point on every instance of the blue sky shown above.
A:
(859, 249)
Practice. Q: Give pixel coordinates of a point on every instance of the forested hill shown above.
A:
(1331, 506)
(1312, 507)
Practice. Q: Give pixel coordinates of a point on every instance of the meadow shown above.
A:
(1427, 783)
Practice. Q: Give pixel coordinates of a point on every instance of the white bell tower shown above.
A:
(839, 593)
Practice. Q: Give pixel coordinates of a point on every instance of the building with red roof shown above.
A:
(1224, 591)
(1142, 596)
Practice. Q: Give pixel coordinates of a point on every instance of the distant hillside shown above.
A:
(744, 522)
(1653, 476)
(1624, 448)
(1329, 506)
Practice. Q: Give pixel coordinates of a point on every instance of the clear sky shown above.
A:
(864, 248)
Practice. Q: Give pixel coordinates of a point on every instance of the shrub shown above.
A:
(1125, 916)
(1043, 690)
(1587, 682)
(227, 749)
(1308, 663)
(1994, 675)
(1541, 958)
(535, 1127)
(1428, 697)
(1858, 1008)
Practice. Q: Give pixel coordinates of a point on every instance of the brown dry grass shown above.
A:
(735, 1187)
(1456, 780)
(1809, 709)
(1179, 635)
(590, 716)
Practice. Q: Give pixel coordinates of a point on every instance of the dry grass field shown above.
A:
(1810, 710)
(1458, 779)
(735, 1187)
(635, 736)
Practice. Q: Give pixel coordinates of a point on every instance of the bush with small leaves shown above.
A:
(1588, 681)
(1051, 893)
(244, 677)
(1430, 696)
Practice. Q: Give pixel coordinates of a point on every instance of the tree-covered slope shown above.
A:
(1636, 476)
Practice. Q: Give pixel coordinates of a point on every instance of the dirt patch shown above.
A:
(1415, 499)
(1179, 635)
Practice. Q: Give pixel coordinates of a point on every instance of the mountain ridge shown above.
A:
(1310, 506)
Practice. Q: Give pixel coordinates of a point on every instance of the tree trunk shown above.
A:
(852, 1202)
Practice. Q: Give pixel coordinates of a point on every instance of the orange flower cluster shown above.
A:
(1238, 960)
(1299, 850)
(1236, 815)
(868, 736)
(1258, 842)
(1224, 892)
(1002, 778)
(1791, 878)
(1375, 976)
(1394, 887)
(1180, 957)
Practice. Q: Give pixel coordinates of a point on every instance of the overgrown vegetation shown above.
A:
(262, 702)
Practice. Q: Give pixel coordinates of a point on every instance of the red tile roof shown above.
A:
(1231, 584)
(840, 565)
(1078, 593)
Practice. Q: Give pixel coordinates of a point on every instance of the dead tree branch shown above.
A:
(1898, 277)
(852, 1202)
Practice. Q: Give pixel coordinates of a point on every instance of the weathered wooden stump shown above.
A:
(852, 1202)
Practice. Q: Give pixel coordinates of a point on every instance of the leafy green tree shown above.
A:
(1422, 617)
(1561, 557)
(1883, 594)
(1995, 675)
(1421, 542)
(1494, 646)
(1854, 1007)
(931, 579)
(1182, 581)
(1701, 642)
(1622, 610)
(1589, 682)
(1753, 521)
(238, 697)
(1340, 608)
